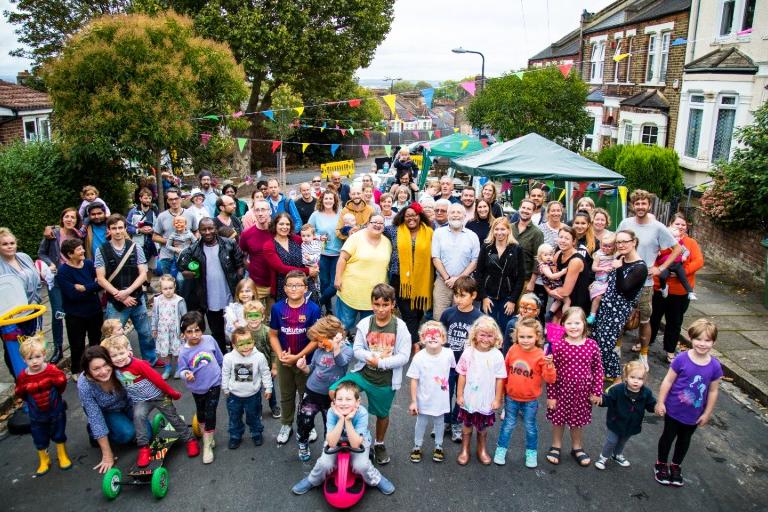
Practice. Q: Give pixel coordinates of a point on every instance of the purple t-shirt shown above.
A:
(688, 397)
(292, 324)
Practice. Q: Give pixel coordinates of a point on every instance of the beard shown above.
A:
(455, 224)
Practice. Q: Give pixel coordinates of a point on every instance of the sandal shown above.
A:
(553, 455)
(581, 457)
(636, 347)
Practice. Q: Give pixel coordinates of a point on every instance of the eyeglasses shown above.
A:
(376, 223)
(622, 242)
(441, 210)
(295, 286)
(528, 308)
(316, 181)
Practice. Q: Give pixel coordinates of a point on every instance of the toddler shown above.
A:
(234, 317)
(350, 222)
(41, 385)
(676, 267)
(329, 364)
(112, 327)
(254, 316)
(311, 249)
(546, 274)
(430, 400)
(244, 373)
(602, 265)
(167, 310)
(90, 195)
(146, 390)
(180, 239)
(626, 403)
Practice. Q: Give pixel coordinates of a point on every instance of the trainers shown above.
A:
(591, 319)
(380, 452)
(692, 296)
(145, 454)
(176, 374)
(416, 455)
(661, 473)
(438, 455)
(284, 434)
(601, 462)
(620, 460)
(258, 440)
(234, 444)
(385, 486)
(675, 475)
(531, 458)
(193, 448)
(665, 292)
(304, 453)
(167, 372)
(644, 359)
(312, 436)
(500, 457)
(456, 433)
(276, 412)
(303, 487)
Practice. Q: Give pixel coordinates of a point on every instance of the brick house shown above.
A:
(564, 51)
(24, 113)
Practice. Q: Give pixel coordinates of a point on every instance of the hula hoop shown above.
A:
(10, 318)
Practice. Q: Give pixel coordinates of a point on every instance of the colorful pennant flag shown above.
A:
(351, 130)
(415, 133)
(241, 142)
(299, 111)
(334, 148)
(354, 103)
(304, 146)
(620, 57)
(387, 149)
(237, 114)
(322, 128)
(389, 99)
(269, 114)
(456, 130)
(464, 144)
(364, 147)
(275, 144)
(367, 134)
(343, 131)
(565, 69)
(205, 138)
(437, 134)
(520, 74)
(430, 133)
(679, 41)
(428, 95)
(469, 86)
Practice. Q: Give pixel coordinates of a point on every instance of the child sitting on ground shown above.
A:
(676, 267)
(90, 195)
(602, 265)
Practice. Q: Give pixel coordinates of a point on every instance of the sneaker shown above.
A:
(500, 457)
(312, 436)
(601, 462)
(675, 475)
(692, 296)
(234, 444)
(258, 440)
(304, 453)
(380, 452)
(167, 372)
(416, 455)
(665, 292)
(193, 448)
(385, 486)
(531, 458)
(591, 319)
(661, 473)
(456, 433)
(644, 359)
(438, 455)
(620, 460)
(284, 434)
(176, 374)
(303, 487)
(276, 412)
(145, 454)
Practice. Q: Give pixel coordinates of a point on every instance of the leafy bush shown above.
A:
(650, 168)
(608, 156)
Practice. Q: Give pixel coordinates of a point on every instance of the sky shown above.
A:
(418, 46)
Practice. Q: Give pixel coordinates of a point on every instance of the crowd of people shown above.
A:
(313, 297)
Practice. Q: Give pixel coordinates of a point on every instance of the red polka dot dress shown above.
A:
(579, 375)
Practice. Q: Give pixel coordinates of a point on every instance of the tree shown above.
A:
(137, 84)
(543, 101)
(650, 168)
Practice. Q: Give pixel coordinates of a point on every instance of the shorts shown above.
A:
(644, 304)
(380, 398)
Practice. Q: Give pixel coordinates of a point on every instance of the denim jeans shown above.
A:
(120, 424)
(140, 318)
(251, 406)
(497, 313)
(348, 315)
(614, 444)
(327, 276)
(57, 315)
(453, 381)
(513, 408)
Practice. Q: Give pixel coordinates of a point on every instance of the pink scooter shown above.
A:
(343, 488)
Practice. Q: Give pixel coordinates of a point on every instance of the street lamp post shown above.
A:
(482, 69)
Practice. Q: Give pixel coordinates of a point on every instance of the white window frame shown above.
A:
(42, 124)
(696, 103)
(724, 106)
(658, 57)
(650, 135)
(628, 128)
(737, 24)
(617, 64)
(630, 40)
(597, 60)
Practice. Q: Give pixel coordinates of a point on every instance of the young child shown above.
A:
(350, 222)
(167, 310)
(254, 316)
(579, 385)
(234, 313)
(528, 367)
(90, 195)
(311, 249)
(200, 363)
(112, 327)
(347, 422)
(180, 239)
(481, 383)
(626, 403)
(244, 373)
(676, 267)
(602, 265)
(41, 385)
(687, 398)
(329, 364)
(527, 307)
(457, 321)
(546, 274)
(146, 390)
(430, 400)
(198, 207)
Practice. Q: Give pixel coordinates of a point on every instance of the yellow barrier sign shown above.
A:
(344, 167)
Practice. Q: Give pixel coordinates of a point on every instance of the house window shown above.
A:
(665, 37)
(658, 57)
(726, 20)
(650, 135)
(628, 133)
(736, 16)
(749, 14)
(616, 64)
(629, 58)
(726, 116)
(695, 118)
(597, 62)
(37, 129)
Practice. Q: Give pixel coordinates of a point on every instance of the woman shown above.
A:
(586, 204)
(324, 220)
(600, 222)
(410, 269)
(106, 405)
(368, 182)
(551, 228)
(673, 307)
(362, 264)
(50, 253)
(402, 198)
(587, 245)
(385, 202)
(249, 219)
(283, 254)
(619, 299)
(20, 265)
(576, 281)
(500, 272)
(488, 193)
(231, 190)
(83, 316)
(481, 223)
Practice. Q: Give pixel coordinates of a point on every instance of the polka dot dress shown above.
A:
(579, 375)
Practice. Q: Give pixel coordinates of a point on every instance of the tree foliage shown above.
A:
(650, 168)
(543, 102)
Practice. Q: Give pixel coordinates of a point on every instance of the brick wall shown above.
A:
(11, 130)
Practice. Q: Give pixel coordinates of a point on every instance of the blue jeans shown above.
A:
(453, 381)
(614, 444)
(497, 313)
(120, 424)
(348, 315)
(57, 315)
(513, 408)
(140, 318)
(327, 276)
(251, 406)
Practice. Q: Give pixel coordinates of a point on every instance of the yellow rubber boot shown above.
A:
(45, 462)
(61, 453)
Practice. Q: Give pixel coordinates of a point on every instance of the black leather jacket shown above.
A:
(232, 263)
(500, 278)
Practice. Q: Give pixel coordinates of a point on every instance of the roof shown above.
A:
(20, 98)
(650, 98)
(568, 45)
(596, 96)
(723, 60)
(639, 11)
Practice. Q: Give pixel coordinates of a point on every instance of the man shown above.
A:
(219, 267)
(538, 196)
(652, 237)
(252, 244)
(121, 269)
(317, 187)
(446, 190)
(528, 235)
(405, 180)
(96, 231)
(164, 227)
(341, 189)
(306, 203)
(279, 203)
(468, 201)
(226, 217)
(454, 253)
(441, 212)
(211, 195)
(357, 207)
(141, 219)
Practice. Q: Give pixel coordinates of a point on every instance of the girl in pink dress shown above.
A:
(578, 387)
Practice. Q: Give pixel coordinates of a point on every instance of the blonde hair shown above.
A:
(109, 326)
(633, 366)
(485, 323)
(326, 328)
(115, 342)
(5, 232)
(307, 227)
(31, 344)
(253, 305)
(609, 238)
(246, 281)
(575, 310)
(529, 323)
(88, 188)
(542, 249)
(432, 324)
(501, 220)
(603, 212)
(703, 327)
(166, 278)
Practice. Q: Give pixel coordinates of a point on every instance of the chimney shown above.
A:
(586, 16)
(23, 77)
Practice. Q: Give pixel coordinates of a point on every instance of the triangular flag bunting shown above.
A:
(354, 103)
(367, 134)
(430, 133)
(469, 86)
(343, 131)
(205, 138)
(389, 99)
(464, 144)
(565, 69)
(415, 133)
(437, 133)
(484, 143)
(620, 57)
(304, 146)
(519, 74)
(211, 117)
(269, 114)
(275, 144)
(334, 148)
(679, 41)
(351, 130)
(237, 114)
(387, 149)
(364, 147)
(562, 195)
(241, 142)
(428, 95)
(299, 111)
(455, 130)
(322, 128)
(337, 125)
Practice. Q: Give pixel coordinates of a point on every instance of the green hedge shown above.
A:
(650, 168)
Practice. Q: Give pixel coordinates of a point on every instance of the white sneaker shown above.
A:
(600, 462)
(665, 291)
(621, 461)
(692, 296)
(284, 434)
(312, 436)
(644, 359)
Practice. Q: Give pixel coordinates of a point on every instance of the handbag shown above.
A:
(633, 322)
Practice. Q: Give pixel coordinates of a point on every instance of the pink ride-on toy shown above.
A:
(343, 488)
